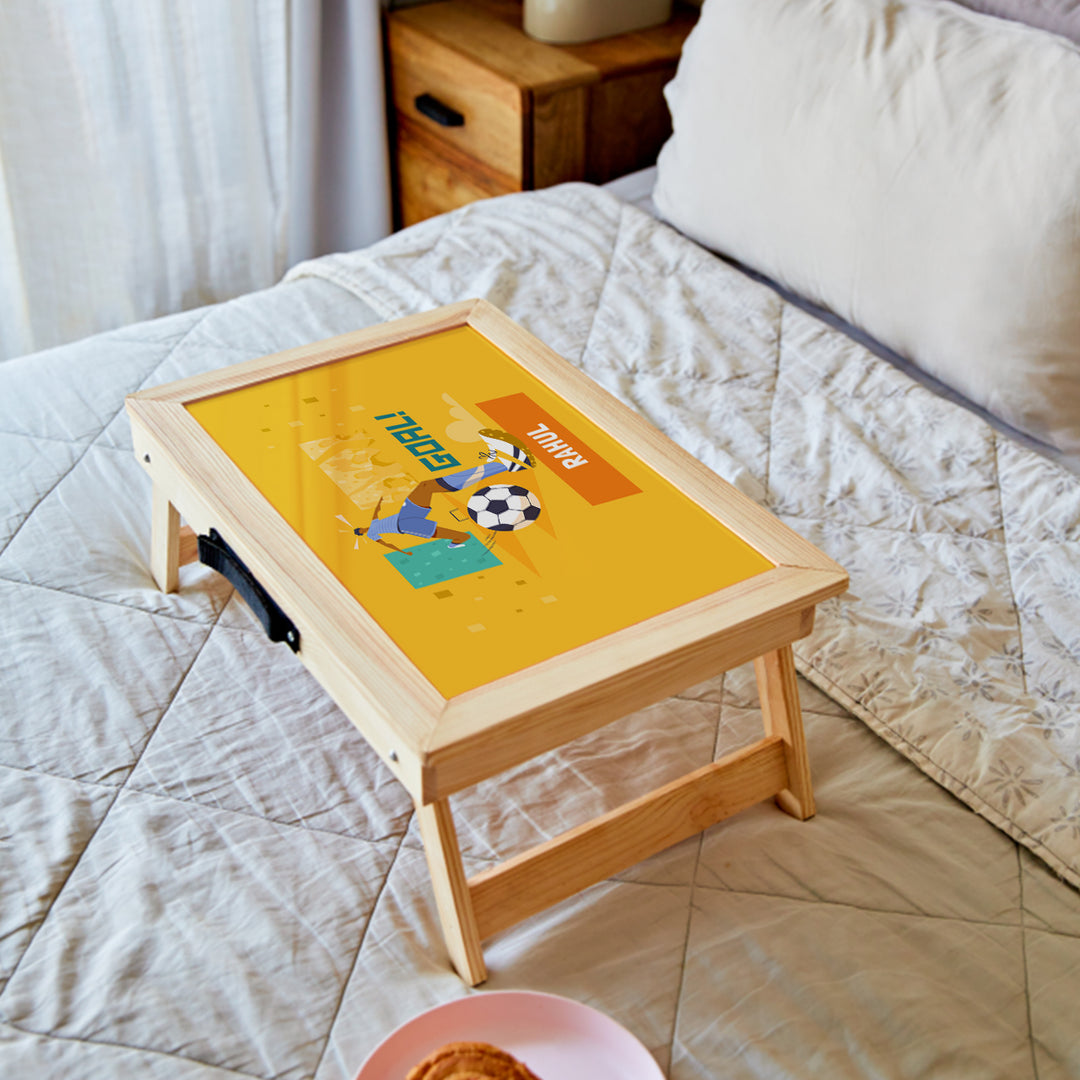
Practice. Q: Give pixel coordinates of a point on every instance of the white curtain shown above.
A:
(160, 154)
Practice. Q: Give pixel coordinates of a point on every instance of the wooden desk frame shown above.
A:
(437, 746)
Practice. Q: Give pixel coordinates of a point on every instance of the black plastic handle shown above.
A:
(439, 111)
(215, 553)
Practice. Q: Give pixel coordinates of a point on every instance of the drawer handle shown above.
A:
(436, 110)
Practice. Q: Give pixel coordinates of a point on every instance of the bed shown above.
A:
(207, 874)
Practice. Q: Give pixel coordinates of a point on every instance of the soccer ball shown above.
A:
(503, 507)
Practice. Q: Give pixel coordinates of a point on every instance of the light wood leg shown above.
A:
(561, 867)
(451, 890)
(783, 716)
(164, 543)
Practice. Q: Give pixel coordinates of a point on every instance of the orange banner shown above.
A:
(553, 443)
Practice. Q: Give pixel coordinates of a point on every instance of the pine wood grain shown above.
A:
(164, 542)
(453, 898)
(782, 713)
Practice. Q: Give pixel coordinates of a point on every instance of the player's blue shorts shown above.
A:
(413, 520)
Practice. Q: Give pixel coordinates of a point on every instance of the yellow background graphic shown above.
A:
(311, 443)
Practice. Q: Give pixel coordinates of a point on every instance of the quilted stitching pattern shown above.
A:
(206, 874)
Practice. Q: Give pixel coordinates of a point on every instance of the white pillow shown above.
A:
(911, 165)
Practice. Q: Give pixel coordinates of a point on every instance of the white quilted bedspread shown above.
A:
(205, 873)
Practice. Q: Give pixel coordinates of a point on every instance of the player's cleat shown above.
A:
(509, 447)
(460, 543)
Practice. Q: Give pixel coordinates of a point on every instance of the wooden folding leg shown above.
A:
(164, 542)
(564, 865)
(783, 716)
(451, 890)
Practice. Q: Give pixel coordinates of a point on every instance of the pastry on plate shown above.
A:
(470, 1061)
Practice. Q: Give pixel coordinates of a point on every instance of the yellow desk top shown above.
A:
(471, 580)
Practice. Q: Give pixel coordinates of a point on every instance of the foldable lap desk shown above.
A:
(481, 555)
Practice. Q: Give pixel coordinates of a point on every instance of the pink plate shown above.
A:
(557, 1038)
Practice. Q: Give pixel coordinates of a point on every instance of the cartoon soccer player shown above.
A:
(505, 454)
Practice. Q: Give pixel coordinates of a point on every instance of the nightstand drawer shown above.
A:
(490, 107)
(434, 177)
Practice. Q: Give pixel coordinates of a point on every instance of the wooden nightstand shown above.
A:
(482, 109)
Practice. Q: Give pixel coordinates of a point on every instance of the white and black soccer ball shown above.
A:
(503, 507)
